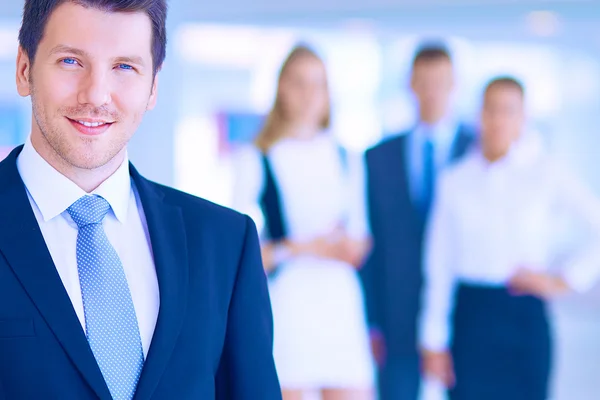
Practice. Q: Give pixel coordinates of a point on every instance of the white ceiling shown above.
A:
(579, 19)
(202, 9)
(225, 9)
(492, 19)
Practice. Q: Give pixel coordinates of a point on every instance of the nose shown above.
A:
(95, 89)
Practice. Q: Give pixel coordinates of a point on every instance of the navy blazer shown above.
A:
(213, 338)
(392, 275)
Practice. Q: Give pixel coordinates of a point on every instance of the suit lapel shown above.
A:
(462, 142)
(23, 246)
(404, 167)
(168, 239)
(399, 183)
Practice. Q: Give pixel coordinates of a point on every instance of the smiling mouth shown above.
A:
(91, 124)
(88, 127)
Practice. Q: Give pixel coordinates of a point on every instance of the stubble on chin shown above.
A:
(64, 150)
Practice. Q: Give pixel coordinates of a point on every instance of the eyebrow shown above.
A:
(67, 49)
(131, 60)
(81, 53)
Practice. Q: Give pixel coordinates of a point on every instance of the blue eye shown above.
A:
(125, 66)
(69, 61)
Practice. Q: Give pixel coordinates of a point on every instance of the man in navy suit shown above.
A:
(400, 182)
(111, 286)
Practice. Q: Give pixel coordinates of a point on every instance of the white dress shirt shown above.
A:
(51, 193)
(492, 219)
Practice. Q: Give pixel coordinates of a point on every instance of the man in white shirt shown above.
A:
(491, 255)
(112, 286)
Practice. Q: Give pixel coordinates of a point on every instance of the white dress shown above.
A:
(321, 337)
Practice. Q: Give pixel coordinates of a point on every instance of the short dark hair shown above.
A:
(37, 12)
(505, 81)
(431, 51)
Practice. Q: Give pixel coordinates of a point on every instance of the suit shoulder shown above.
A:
(198, 208)
(388, 144)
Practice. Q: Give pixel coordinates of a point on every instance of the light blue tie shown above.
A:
(428, 176)
(110, 320)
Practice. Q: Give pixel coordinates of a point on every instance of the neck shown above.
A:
(87, 179)
(493, 155)
(302, 131)
(431, 118)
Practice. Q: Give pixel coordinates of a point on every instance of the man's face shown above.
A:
(90, 84)
(432, 83)
(502, 118)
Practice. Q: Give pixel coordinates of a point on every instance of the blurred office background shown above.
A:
(219, 79)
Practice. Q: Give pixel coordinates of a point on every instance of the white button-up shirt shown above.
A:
(51, 193)
(492, 219)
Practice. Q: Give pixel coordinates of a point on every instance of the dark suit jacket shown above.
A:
(213, 338)
(392, 276)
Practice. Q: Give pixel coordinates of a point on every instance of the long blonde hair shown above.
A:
(272, 129)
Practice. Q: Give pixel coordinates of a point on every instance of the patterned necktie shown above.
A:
(428, 176)
(110, 320)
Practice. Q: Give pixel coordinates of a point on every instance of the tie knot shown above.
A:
(88, 210)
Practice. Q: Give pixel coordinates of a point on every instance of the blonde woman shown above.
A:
(315, 236)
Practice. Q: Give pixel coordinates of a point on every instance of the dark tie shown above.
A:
(428, 176)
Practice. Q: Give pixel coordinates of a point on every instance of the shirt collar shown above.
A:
(53, 192)
(441, 133)
(523, 152)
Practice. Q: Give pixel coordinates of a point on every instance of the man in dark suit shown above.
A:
(400, 182)
(111, 286)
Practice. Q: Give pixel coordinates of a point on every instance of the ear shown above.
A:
(23, 73)
(153, 94)
(412, 81)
